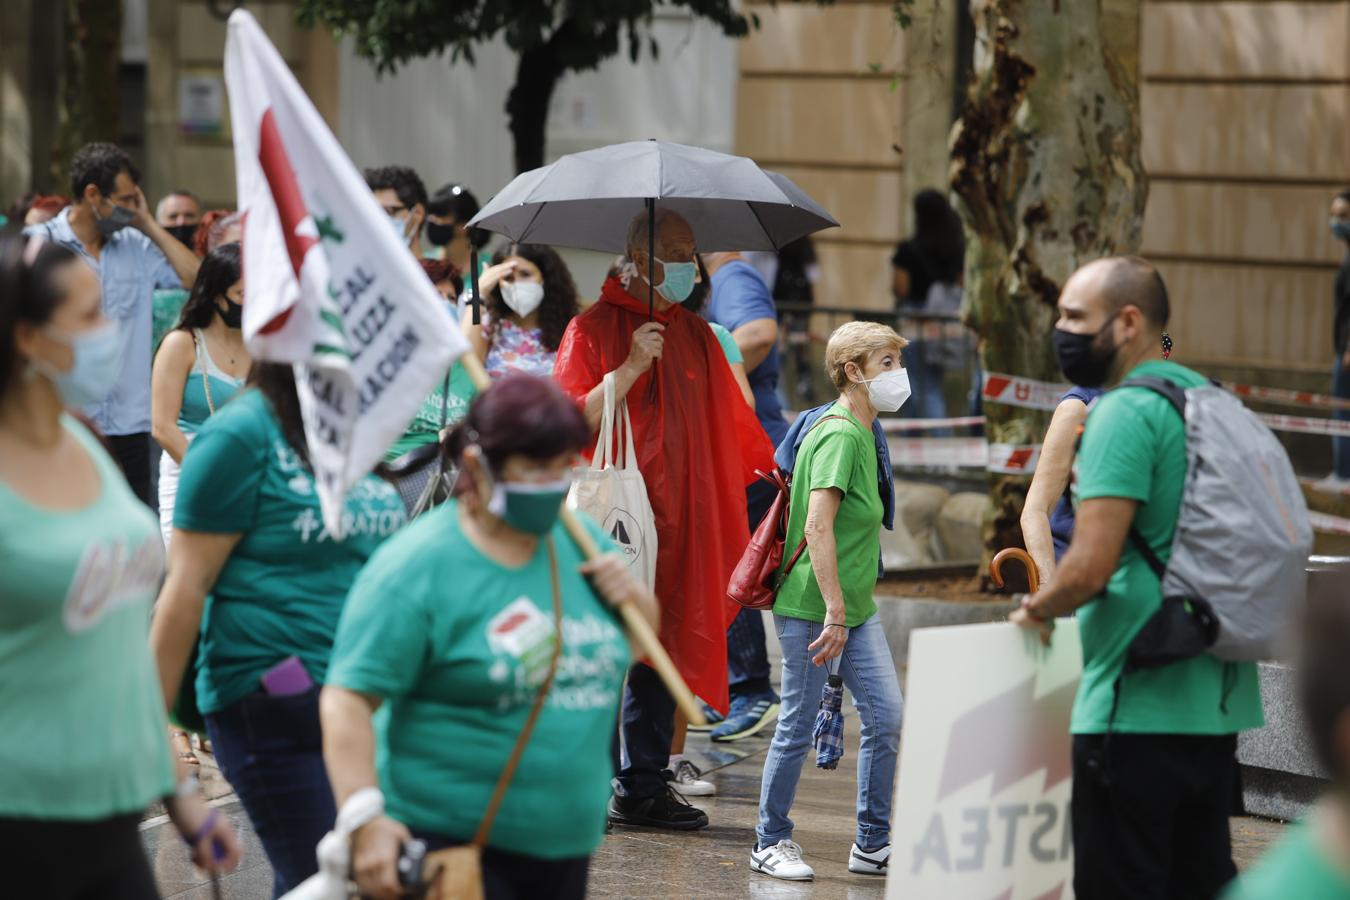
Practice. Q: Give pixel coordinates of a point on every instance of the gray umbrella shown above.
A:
(587, 199)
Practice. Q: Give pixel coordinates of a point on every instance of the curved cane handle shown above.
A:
(1017, 553)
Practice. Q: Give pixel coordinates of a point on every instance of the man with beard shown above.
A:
(1155, 773)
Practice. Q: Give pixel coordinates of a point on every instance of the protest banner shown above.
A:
(982, 797)
(331, 288)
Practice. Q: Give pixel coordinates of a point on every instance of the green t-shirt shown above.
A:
(1134, 447)
(729, 345)
(1295, 868)
(839, 454)
(456, 644)
(426, 425)
(82, 727)
(281, 591)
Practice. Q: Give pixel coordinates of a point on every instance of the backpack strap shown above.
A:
(1147, 553)
(1170, 390)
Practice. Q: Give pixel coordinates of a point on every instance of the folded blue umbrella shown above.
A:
(828, 733)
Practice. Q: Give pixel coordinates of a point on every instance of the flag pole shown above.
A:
(638, 627)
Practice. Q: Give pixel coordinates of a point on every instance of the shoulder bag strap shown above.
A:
(604, 450)
(485, 827)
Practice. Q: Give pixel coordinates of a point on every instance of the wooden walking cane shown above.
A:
(1033, 574)
(638, 628)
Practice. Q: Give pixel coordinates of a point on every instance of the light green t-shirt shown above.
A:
(1134, 447)
(456, 644)
(426, 425)
(729, 345)
(281, 591)
(82, 726)
(839, 454)
(1295, 868)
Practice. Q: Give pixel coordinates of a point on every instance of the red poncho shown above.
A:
(698, 445)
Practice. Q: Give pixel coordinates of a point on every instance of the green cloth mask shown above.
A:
(529, 507)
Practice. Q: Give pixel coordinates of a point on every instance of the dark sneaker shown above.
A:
(666, 810)
(713, 717)
(747, 717)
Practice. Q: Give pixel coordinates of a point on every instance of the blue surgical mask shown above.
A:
(678, 282)
(1341, 229)
(98, 362)
(400, 228)
(530, 507)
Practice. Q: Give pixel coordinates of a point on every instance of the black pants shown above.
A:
(515, 876)
(66, 860)
(132, 454)
(1150, 816)
(647, 724)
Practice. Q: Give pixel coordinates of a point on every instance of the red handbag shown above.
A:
(755, 581)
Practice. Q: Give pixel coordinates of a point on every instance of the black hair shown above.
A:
(457, 202)
(560, 291)
(698, 297)
(1344, 195)
(939, 235)
(99, 164)
(30, 291)
(276, 382)
(221, 268)
(401, 180)
(1133, 280)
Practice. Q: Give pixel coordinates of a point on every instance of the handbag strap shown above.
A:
(801, 548)
(499, 793)
(604, 454)
(629, 460)
(199, 345)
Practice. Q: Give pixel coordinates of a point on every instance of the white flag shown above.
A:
(330, 288)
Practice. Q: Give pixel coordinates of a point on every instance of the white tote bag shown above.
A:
(612, 492)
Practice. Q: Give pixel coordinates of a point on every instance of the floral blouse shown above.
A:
(515, 349)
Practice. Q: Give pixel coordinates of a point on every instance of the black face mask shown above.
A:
(232, 315)
(439, 235)
(184, 233)
(1082, 359)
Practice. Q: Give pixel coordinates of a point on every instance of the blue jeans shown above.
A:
(869, 673)
(271, 752)
(1340, 446)
(647, 727)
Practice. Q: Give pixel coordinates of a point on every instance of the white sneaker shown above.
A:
(782, 860)
(685, 777)
(870, 863)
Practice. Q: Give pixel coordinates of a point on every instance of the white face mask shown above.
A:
(889, 390)
(522, 297)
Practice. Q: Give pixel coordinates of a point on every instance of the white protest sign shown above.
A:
(982, 798)
(329, 285)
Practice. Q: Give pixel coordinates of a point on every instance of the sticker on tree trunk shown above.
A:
(982, 797)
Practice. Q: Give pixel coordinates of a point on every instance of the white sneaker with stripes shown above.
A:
(782, 860)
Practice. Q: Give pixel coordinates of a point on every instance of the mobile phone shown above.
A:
(287, 678)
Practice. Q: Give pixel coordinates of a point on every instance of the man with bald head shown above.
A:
(1154, 750)
(698, 444)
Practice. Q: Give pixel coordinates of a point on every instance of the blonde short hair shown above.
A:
(853, 342)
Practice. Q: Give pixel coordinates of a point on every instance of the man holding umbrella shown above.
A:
(698, 445)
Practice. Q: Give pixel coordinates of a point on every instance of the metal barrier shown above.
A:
(941, 359)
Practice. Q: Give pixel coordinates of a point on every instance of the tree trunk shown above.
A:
(1047, 171)
(537, 75)
(89, 102)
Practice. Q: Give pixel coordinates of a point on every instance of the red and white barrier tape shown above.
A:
(1013, 459)
(1286, 397)
(1305, 425)
(1329, 524)
(892, 426)
(1028, 393)
(964, 453)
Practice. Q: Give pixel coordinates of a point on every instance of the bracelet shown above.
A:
(836, 625)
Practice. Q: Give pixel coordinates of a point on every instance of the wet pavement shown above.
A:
(646, 863)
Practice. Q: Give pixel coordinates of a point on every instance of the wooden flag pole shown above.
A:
(638, 628)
